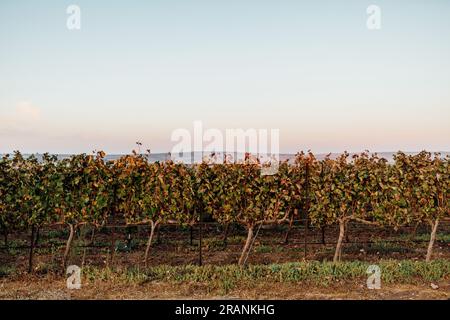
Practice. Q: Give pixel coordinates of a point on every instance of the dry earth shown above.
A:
(54, 287)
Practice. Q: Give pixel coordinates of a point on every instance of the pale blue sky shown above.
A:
(137, 70)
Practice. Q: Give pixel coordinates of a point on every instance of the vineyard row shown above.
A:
(88, 190)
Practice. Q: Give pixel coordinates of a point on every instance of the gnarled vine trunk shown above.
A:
(432, 240)
(68, 245)
(149, 242)
(247, 245)
(337, 253)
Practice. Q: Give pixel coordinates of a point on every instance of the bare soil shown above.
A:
(175, 248)
(55, 288)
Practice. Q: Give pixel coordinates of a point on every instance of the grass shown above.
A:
(227, 277)
(264, 249)
(444, 237)
(378, 247)
(269, 249)
(6, 271)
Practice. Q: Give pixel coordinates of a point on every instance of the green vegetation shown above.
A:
(85, 190)
(318, 273)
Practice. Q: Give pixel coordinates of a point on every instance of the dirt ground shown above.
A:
(52, 287)
(174, 248)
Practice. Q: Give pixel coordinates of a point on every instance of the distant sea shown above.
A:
(155, 157)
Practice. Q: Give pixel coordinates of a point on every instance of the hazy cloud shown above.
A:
(24, 117)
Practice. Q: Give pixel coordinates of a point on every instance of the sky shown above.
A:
(138, 70)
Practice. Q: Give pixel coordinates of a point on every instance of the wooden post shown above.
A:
(91, 243)
(30, 258)
(112, 246)
(225, 236)
(129, 238)
(5, 237)
(323, 235)
(306, 211)
(306, 237)
(200, 262)
(158, 234)
(347, 238)
(38, 232)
